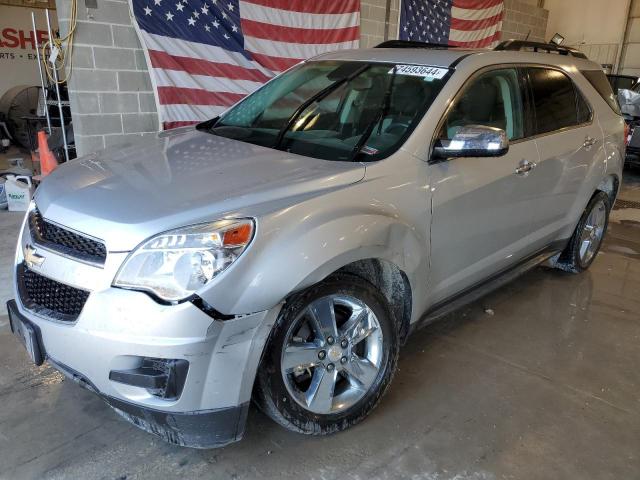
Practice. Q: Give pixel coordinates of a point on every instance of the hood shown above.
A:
(126, 194)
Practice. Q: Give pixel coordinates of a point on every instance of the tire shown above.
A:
(573, 258)
(286, 393)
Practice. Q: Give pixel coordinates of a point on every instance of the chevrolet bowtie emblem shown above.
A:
(31, 257)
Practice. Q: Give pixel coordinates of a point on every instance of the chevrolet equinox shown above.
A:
(283, 251)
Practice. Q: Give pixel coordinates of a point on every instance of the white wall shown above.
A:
(587, 21)
(594, 26)
(18, 64)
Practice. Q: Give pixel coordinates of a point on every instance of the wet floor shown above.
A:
(540, 380)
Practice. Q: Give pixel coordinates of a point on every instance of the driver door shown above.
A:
(482, 210)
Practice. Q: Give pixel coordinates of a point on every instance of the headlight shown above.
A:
(175, 264)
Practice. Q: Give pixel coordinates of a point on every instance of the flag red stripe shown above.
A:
(279, 33)
(476, 4)
(197, 66)
(484, 42)
(467, 25)
(170, 125)
(311, 6)
(196, 96)
(277, 64)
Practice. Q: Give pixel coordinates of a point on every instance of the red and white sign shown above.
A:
(18, 61)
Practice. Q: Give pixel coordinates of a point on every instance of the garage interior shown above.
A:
(537, 380)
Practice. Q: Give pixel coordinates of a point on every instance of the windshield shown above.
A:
(335, 110)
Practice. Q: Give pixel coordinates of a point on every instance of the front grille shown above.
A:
(64, 241)
(48, 297)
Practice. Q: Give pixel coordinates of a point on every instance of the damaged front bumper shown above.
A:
(204, 406)
(182, 372)
(197, 429)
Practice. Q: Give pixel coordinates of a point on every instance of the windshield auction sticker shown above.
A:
(420, 71)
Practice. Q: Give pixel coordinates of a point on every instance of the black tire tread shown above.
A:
(569, 260)
(264, 400)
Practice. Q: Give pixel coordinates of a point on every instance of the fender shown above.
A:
(288, 256)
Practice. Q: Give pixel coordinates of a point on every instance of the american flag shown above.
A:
(206, 55)
(459, 23)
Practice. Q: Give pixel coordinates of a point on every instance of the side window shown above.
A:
(493, 99)
(584, 111)
(555, 100)
(599, 81)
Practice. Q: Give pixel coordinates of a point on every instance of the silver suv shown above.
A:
(284, 251)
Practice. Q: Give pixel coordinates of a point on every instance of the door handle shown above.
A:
(589, 142)
(525, 167)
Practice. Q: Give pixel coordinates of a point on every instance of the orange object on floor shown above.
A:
(48, 162)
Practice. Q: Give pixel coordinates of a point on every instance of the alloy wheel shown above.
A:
(332, 354)
(592, 232)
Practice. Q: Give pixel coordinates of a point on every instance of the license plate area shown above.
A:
(27, 333)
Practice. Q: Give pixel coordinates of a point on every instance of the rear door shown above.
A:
(481, 210)
(567, 138)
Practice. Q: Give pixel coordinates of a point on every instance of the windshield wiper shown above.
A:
(384, 108)
(315, 98)
(208, 125)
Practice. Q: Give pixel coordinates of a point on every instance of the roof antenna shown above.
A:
(527, 37)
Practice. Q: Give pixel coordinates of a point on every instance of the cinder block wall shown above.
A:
(110, 91)
(522, 17)
(372, 21)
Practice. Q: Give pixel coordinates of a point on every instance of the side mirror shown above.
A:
(473, 141)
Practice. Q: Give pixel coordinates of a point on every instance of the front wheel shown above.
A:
(330, 357)
(588, 235)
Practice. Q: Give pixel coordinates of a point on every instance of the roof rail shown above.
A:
(539, 47)
(411, 44)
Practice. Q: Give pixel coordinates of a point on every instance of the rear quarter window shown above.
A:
(584, 111)
(556, 101)
(599, 80)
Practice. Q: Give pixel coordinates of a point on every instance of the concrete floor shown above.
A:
(545, 387)
(9, 224)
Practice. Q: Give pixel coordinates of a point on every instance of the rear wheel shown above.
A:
(330, 357)
(588, 235)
